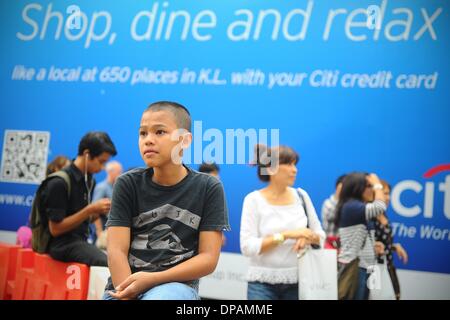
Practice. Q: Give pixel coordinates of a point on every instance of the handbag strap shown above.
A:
(302, 198)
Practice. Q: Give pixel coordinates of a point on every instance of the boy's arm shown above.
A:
(118, 246)
(201, 265)
(198, 266)
(65, 225)
(56, 206)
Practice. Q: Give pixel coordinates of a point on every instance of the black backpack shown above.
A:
(40, 231)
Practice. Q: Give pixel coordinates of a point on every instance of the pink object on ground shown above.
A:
(24, 237)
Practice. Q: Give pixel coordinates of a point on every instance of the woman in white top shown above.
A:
(274, 226)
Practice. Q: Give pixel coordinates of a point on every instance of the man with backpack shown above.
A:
(62, 209)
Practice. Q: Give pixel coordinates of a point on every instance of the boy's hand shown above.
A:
(134, 285)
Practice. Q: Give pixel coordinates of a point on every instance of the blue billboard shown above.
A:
(350, 85)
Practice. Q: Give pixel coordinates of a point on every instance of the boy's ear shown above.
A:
(182, 137)
(186, 140)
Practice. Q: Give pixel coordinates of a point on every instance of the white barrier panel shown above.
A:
(420, 285)
(98, 278)
(228, 280)
(8, 236)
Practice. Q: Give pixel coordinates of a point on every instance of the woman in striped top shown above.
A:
(360, 202)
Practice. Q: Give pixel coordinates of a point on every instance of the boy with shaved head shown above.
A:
(166, 220)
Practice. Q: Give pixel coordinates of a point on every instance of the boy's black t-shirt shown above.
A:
(165, 221)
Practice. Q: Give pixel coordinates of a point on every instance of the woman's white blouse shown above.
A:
(260, 219)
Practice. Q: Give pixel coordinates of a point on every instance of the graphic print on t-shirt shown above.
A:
(158, 235)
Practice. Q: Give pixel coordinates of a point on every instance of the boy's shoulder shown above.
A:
(203, 177)
(134, 172)
(202, 182)
(131, 179)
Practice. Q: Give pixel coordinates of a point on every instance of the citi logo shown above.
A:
(427, 190)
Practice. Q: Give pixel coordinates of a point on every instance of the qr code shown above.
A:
(24, 156)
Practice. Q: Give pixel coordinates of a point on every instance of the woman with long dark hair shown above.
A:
(361, 200)
(277, 221)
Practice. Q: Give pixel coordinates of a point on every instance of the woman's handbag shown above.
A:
(348, 280)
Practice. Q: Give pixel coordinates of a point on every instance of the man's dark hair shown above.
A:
(180, 112)
(208, 167)
(97, 143)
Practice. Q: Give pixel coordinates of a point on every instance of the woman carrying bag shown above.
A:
(360, 202)
(274, 227)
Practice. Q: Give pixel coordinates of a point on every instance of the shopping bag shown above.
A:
(317, 275)
(380, 283)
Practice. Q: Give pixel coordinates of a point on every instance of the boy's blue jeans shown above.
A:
(167, 291)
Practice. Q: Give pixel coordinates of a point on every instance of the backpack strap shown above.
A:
(40, 234)
(65, 176)
(35, 218)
